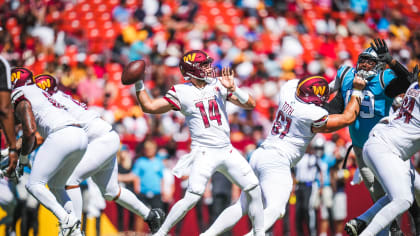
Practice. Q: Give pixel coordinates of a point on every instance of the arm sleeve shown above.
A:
(401, 83)
(172, 98)
(336, 105)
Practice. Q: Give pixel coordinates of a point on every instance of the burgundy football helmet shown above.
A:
(47, 83)
(197, 64)
(313, 89)
(21, 77)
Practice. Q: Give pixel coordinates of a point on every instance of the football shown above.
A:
(133, 72)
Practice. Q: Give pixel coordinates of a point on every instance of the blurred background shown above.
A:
(86, 43)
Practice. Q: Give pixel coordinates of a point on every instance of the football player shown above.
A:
(64, 145)
(99, 161)
(381, 88)
(7, 120)
(299, 116)
(203, 101)
(386, 151)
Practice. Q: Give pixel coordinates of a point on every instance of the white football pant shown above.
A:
(399, 180)
(100, 163)
(273, 172)
(233, 165)
(54, 162)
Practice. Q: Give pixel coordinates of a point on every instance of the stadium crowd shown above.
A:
(86, 43)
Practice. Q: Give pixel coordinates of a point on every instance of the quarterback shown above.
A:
(203, 102)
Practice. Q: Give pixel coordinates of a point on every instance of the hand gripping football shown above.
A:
(133, 72)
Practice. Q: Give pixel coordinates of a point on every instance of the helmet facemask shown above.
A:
(370, 57)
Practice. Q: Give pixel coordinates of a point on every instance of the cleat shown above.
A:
(354, 227)
(71, 227)
(395, 230)
(155, 219)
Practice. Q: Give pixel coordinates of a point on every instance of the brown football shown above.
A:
(133, 72)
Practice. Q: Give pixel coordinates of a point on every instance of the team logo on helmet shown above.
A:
(197, 64)
(21, 77)
(47, 83)
(313, 90)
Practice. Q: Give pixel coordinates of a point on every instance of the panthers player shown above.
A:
(299, 116)
(203, 101)
(99, 161)
(382, 86)
(64, 145)
(386, 151)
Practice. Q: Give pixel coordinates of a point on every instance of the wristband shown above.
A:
(139, 85)
(13, 150)
(357, 93)
(241, 95)
(24, 159)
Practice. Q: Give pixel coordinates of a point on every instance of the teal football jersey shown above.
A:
(375, 104)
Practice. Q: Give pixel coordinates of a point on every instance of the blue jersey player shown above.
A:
(381, 88)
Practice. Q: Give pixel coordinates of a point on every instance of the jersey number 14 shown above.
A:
(214, 113)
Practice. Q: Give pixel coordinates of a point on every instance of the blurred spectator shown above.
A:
(327, 162)
(359, 6)
(221, 192)
(338, 183)
(326, 25)
(306, 171)
(398, 28)
(149, 168)
(358, 26)
(128, 180)
(121, 13)
(90, 88)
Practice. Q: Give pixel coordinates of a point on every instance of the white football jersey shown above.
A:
(90, 120)
(291, 131)
(205, 112)
(402, 134)
(49, 114)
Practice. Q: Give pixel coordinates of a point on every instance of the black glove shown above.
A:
(414, 76)
(379, 46)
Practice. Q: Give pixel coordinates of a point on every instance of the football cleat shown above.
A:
(71, 227)
(354, 227)
(155, 219)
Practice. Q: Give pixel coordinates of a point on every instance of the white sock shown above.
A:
(47, 199)
(178, 211)
(229, 217)
(386, 215)
(128, 200)
(256, 210)
(76, 203)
